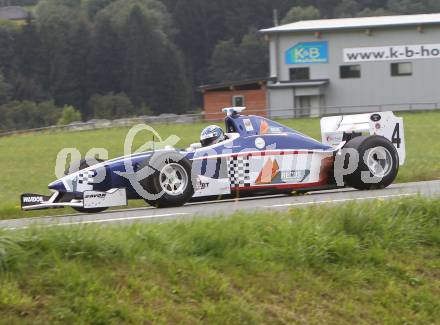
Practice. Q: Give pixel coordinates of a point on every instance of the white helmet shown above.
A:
(211, 135)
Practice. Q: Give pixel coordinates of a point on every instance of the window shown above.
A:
(350, 71)
(299, 74)
(238, 101)
(401, 69)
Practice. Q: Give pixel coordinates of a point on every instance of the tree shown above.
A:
(249, 59)
(301, 13)
(5, 90)
(367, 12)
(107, 57)
(413, 6)
(17, 115)
(28, 51)
(200, 24)
(347, 8)
(254, 55)
(225, 62)
(26, 88)
(326, 7)
(94, 6)
(78, 47)
(153, 69)
(69, 115)
(65, 37)
(8, 34)
(141, 50)
(111, 106)
(175, 96)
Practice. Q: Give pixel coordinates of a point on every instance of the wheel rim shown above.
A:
(173, 179)
(379, 161)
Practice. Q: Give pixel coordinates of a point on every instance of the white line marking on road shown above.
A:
(85, 222)
(339, 200)
(99, 221)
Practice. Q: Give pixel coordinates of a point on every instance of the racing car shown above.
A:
(256, 156)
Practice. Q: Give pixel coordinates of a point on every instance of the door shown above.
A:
(303, 106)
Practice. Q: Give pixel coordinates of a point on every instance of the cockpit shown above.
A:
(238, 125)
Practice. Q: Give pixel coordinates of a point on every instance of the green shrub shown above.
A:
(28, 115)
(70, 114)
(111, 106)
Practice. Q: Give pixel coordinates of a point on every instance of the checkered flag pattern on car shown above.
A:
(239, 171)
(86, 178)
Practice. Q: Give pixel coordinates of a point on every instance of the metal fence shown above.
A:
(280, 113)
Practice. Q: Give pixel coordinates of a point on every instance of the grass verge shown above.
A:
(353, 264)
(27, 162)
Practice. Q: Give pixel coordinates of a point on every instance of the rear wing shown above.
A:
(336, 129)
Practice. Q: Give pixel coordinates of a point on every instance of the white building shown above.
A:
(354, 64)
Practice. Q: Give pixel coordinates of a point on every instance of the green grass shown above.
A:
(375, 263)
(27, 161)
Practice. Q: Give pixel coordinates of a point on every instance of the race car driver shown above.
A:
(212, 134)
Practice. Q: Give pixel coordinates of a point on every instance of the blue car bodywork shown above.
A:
(277, 137)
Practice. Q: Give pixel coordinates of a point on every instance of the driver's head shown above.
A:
(211, 135)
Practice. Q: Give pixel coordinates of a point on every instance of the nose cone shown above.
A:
(57, 186)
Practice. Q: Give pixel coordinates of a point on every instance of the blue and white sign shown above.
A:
(308, 52)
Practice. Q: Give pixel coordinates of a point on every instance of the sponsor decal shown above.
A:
(260, 143)
(276, 130)
(388, 53)
(264, 127)
(248, 125)
(33, 199)
(308, 53)
(269, 172)
(95, 196)
(200, 186)
(295, 175)
(29, 199)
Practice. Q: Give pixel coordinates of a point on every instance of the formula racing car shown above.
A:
(256, 156)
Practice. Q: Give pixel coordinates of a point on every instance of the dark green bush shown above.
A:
(28, 115)
(111, 106)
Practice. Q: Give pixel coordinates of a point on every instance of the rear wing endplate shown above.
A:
(335, 129)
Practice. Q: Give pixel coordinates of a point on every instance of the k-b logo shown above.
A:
(307, 52)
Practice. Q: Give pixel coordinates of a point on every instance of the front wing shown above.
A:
(90, 200)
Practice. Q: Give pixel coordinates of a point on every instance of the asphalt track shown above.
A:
(227, 207)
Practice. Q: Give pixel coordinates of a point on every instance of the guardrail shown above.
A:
(281, 113)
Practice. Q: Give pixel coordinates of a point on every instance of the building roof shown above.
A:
(356, 23)
(300, 83)
(13, 13)
(238, 83)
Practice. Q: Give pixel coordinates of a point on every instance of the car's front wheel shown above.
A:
(170, 182)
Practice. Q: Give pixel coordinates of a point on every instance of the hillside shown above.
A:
(144, 56)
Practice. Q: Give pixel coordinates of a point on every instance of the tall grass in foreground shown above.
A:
(375, 262)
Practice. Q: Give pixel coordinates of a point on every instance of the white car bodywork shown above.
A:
(385, 124)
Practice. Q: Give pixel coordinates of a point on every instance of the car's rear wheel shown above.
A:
(378, 163)
(170, 182)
